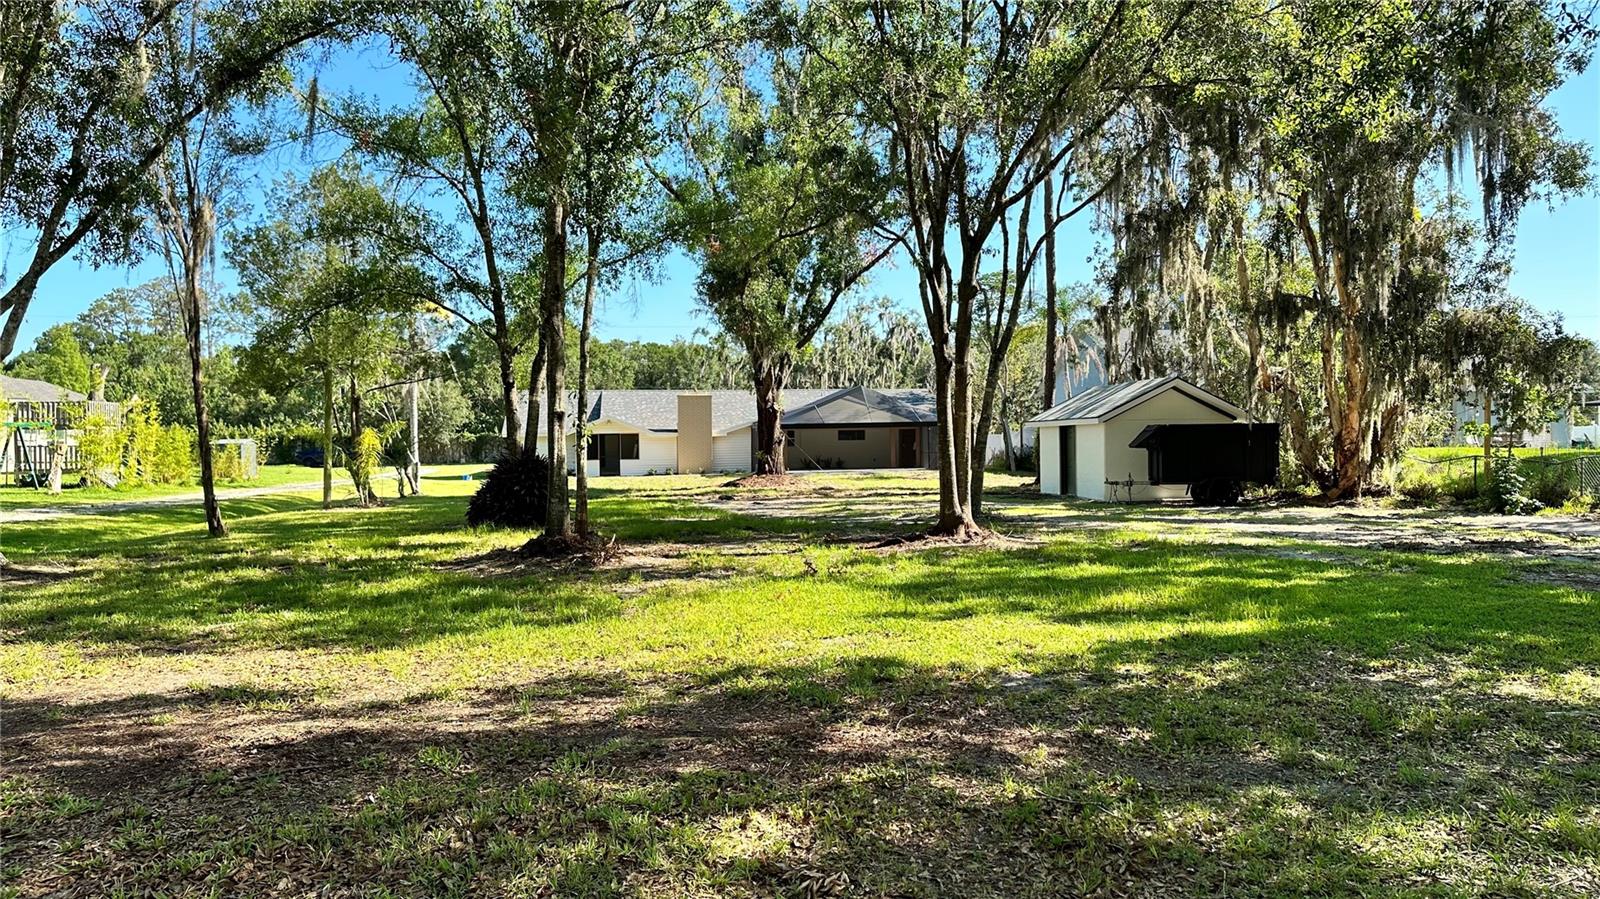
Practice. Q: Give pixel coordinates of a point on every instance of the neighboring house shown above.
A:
(1559, 434)
(1083, 441)
(635, 432)
(38, 412)
(27, 390)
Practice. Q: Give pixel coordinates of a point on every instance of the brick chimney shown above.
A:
(694, 433)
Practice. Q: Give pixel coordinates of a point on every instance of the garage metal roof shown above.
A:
(1100, 404)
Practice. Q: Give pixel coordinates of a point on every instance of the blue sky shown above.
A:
(1557, 249)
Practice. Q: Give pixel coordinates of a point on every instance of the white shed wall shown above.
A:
(1091, 462)
(1121, 460)
(731, 452)
(1050, 461)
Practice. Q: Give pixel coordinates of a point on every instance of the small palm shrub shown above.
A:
(515, 493)
(365, 457)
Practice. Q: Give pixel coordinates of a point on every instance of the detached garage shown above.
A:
(1084, 443)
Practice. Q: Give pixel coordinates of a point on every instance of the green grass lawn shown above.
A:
(383, 702)
(12, 496)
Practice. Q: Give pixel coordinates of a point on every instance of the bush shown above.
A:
(1417, 489)
(486, 448)
(1508, 489)
(515, 493)
(141, 437)
(226, 463)
(292, 446)
(1553, 485)
(99, 449)
(173, 458)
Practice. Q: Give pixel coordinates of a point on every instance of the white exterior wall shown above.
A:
(876, 451)
(1090, 466)
(1167, 407)
(1050, 461)
(657, 452)
(731, 452)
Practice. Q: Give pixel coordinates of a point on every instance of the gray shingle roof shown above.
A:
(28, 390)
(1097, 404)
(657, 410)
(864, 406)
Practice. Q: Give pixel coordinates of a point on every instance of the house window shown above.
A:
(788, 437)
(852, 435)
(593, 453)
(627, 446)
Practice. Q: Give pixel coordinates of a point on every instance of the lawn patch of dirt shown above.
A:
(767, 482)
(859, 780)
(37, 575)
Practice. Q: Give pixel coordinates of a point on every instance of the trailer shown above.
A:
(1215, 460)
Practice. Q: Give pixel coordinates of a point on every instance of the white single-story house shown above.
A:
(1083, 442)
(635, 432)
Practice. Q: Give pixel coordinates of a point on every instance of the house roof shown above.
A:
(29, 390)
(864, 406)
(657, 410)
(1100, 404)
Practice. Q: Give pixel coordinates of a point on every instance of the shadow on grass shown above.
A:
(1264, 776)
(293, 575)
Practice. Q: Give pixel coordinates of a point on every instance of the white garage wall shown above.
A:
(731, 452)
(1091, 468)
(1168, 407)
(1050, 461)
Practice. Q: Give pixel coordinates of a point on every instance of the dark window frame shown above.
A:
(853, 435)
(623, 447)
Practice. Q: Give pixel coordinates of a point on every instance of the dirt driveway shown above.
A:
(1564, 538)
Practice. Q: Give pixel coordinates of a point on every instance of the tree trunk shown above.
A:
(955, 519)
(14, 303)
(414, 444)
(1488, 431)
(363, 489)
(355, 411)
(552, 302)
(1011, 450)
(202, 420)
(1052, 318)
(530, 443)
(508, 389)
(770, 377)
(1351, 465)
(591, 276)
(961, 393)
(327, 437)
